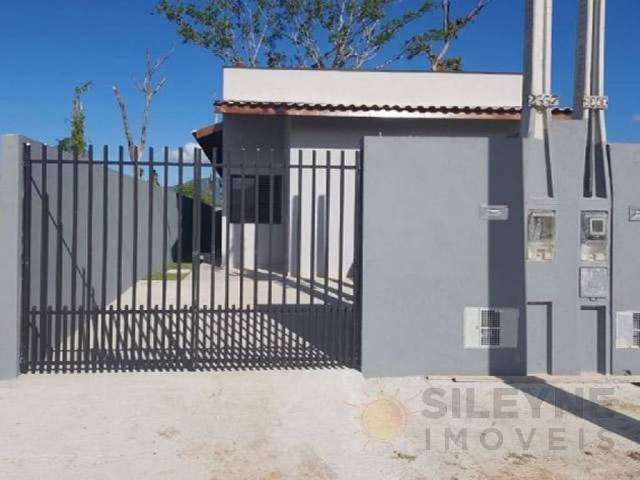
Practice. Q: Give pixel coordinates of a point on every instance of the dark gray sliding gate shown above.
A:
(174, 263)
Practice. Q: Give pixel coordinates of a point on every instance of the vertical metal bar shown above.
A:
(256, 223)
(213, 259)
(120, 209)
(150, 228)
(105, 227)
(312, 255)
(299, 226)
(165, 195)
(195, 275)
(287, 268)
(214, 217)
(58, 301)
(357, 255)
(109, 356)
(243, 219)
(243, 189)
(74, 261)
(26, 326)
(228, 200)
(180, 213)
(89, 279)
(197, 230)
(270, 256)
(327, 227)
(341, 229)
(65, 346)
(134, 271)
(44, 263)
(226, 175)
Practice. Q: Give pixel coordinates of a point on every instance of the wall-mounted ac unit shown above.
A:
(628, 329)
(493, 327)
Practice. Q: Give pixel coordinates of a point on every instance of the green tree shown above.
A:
(76, 142)
(343, 34)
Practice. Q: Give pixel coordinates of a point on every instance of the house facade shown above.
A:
(498, 229)
(290, 117)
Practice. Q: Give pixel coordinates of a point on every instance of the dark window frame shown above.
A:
(249, 190)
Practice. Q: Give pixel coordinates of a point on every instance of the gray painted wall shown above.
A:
(428, 254)
(10, 253)
(625, 166)
(38, 260)
(341, 132)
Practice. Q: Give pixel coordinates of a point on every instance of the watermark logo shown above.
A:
(537, 417)
(384, 418)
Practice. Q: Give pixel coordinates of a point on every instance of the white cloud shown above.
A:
(187, 152)
(635, 118)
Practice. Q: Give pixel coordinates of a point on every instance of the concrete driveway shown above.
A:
(314, 424)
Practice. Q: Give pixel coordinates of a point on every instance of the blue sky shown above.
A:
(49, 46)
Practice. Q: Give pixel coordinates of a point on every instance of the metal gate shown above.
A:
(178, 263)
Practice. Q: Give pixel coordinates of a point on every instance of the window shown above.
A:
(594, 226)
(490, 328)
(541, 235)
(266, 190)
(636, 329)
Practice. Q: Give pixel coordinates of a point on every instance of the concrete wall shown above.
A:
(625, 167)
(10, 253)
(43, 261)
(372, 87)
(428, 253)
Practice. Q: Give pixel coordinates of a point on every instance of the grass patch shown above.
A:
(185, 269)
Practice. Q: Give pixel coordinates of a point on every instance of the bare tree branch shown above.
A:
(149, 89)
(125, 122)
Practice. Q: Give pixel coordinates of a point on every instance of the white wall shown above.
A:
(324, 204)
(373, 87)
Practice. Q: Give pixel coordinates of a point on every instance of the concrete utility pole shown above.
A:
(537, 98)
(590, 101)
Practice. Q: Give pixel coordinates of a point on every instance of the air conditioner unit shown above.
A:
(628, 329)
(490, 327)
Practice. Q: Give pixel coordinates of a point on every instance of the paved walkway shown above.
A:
(314, 424)
(254, 283)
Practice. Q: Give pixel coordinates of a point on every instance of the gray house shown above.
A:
(292, 116)
(498, 229)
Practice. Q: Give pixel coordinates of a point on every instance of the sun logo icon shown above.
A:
(384, 416)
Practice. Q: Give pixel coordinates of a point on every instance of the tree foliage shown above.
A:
(207, 189)
(76, 141)
(434, 44)
(342, 34)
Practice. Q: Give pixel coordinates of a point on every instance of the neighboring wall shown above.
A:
(625, 166)
(44, 270)
(428, 253)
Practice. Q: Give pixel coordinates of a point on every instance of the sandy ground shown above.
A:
(316, 424)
